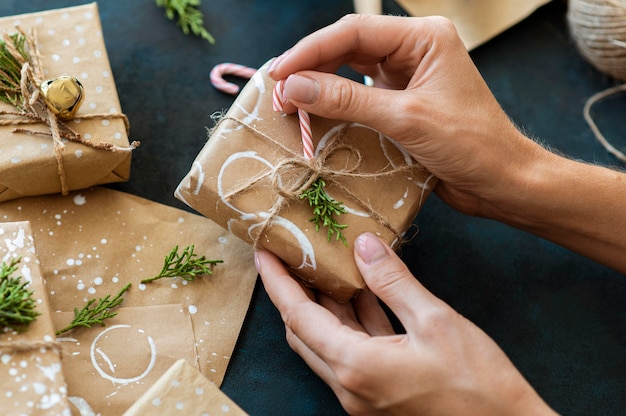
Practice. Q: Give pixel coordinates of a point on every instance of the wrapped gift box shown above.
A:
(253, 152)
(70, 43)
(31, 380)
(183, 390)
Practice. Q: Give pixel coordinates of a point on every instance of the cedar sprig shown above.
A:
(190, 18)
(325, 209)
(17, 305)
(186, 265)
(11, 68)
(89, 316)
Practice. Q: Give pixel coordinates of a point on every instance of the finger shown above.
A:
(350, 401)
(371, 315)
(317, 327)
(389, 279)
(343, 311)
(334, 97)
(359, 40)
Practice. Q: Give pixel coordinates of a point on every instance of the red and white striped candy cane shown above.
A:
(228, 68)
(221, 84)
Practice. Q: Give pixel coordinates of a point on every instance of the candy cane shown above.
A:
(227, 68)
(218, 82)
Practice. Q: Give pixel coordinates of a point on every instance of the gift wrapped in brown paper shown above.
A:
(249, 177)
(182, 389)
(92, 243)
(31, 380)
(46, 154)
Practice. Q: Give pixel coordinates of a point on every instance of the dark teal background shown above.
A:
(560, 317)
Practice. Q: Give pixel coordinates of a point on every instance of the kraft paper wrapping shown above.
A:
(477, 21)
(92, 242)
(99, 365)
(71, 43)
(31, 381)
(253, 139)
(183, 390)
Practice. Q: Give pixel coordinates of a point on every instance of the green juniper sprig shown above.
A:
(186, 265)
(325, 209)
(89, 316)
(11, 69)
(17, 305)
(190, 18)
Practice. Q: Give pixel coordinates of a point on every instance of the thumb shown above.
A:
(334, 97)
(389, 279)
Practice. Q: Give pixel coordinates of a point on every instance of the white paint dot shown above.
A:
(80, 286)
(156, 401)
(56, 57)
(97, 281)
(78, 153)
(97, 53)
(199, 391)
(76, 59)
(192, 309)
(70, 262)
(91, 290)
(103, 241)
(79, 199)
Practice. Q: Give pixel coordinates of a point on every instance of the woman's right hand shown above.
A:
(428, 95)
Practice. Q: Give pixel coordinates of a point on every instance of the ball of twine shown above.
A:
(599, 30)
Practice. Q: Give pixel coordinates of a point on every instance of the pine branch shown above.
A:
(11, 68)
(190, 18)
(17, 306)
(185, 265)
(325, 209)
(88, 316)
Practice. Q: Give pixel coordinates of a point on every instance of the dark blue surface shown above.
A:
(560, 317)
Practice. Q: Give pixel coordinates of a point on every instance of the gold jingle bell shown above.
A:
(63, 95)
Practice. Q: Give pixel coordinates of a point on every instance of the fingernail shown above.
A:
(301, 89)
(370, 248)
(257, 261)
(276, 61)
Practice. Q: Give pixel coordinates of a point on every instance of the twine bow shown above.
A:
(35, 111)
(296, 173)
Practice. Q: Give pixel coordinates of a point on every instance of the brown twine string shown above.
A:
(594, 128)
(304, 172)
(37, 112)
(29, 346)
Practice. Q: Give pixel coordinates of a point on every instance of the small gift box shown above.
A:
(31, 380)
(250, 176)
(183, 390)
(47, 154)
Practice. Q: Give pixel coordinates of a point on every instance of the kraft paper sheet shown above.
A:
(92, 242)
(477, 21)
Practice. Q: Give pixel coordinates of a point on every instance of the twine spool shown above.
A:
(599, 29)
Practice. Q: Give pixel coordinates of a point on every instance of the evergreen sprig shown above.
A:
(190, 18)
(10, 70)
(17, 305)
(325, 209)
(89, 316)
(186, 265)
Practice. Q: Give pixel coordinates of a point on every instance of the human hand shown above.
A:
(427, 95)
(443, 364)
